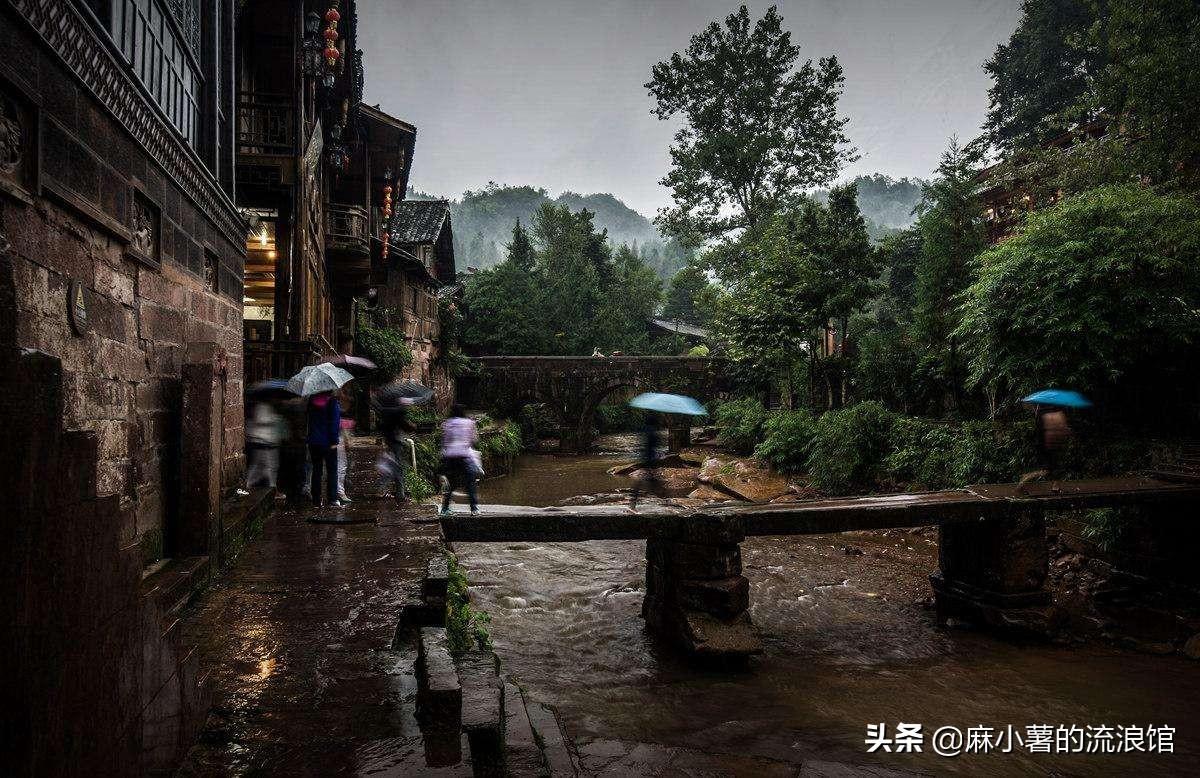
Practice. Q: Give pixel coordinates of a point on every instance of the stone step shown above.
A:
(557, 755)
(522, 755)
(174, 583)
(439, 694)
(437, 578)
(483, 710)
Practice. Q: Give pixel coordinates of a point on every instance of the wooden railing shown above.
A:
(347, 228)
(279, 358)
(265, 123)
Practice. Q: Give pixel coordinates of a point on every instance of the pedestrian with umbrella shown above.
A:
(1052, 431)
(392, 402)
(654, 403)
(265, 430)
(319, 383)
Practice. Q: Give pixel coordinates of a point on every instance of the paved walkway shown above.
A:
(296, 640)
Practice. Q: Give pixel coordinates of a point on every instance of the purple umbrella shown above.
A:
(354, 365)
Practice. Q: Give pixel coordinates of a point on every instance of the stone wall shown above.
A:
(87, 205)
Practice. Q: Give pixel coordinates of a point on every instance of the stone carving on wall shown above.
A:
(15, 135)
(145, 228)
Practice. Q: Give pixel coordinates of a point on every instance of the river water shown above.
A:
(850, 639)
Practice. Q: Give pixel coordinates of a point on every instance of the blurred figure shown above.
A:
(346, 425)
(324, 431)
(1053, 433)
(395, 426)
(459, 435)
(265, 430)
(648, 459)
(293, 454)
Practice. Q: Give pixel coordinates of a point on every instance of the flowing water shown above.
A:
(850, 639)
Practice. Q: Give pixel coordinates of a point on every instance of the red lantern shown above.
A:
(332, 16)
(332, 54)
(331, 35)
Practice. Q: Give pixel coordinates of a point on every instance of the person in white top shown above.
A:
(458, 436)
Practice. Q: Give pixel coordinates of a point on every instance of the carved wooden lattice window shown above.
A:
(156, 46)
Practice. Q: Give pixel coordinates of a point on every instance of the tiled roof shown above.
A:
(680, 328)
(419, 221)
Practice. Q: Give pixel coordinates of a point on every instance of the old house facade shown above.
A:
(417, 270)
(121, 261)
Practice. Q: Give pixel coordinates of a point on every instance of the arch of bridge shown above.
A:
(574, 386)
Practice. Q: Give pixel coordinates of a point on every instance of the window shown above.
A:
(153, 46)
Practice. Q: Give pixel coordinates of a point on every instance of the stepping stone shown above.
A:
(521, 753)
(555, 751)
(437, 578)
(439, 695)
(483, 710)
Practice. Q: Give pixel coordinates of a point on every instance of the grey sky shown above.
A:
(550, 92)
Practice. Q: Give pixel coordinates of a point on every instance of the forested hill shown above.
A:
(886, 203)
(483, 222)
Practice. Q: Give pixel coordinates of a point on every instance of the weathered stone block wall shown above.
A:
(69, 218)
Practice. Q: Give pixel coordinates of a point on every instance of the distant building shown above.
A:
(419, 265)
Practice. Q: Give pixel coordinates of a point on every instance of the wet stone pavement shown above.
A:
(296, 640)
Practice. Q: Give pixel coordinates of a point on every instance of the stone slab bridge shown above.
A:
(572, 387)
(992, 556)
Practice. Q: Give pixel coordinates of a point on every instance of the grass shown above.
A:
(466, 628)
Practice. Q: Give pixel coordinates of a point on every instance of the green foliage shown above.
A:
(1039, 73)
(787, 439)
(758, 129)
(561, 291)
(691, 297)
(537, 421)
(499, 441)
(1090, 288)
(618, 417)
(887, 204)
(741, 422)
(466, 628)
(385, 347)
(849, 447)
(417, 486)
(698, 351)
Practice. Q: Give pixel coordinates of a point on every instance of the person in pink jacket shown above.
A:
(458, 436)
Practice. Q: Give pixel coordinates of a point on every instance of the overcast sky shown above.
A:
(550, 92)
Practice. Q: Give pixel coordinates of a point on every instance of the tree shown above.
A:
(1040, 73)
(951, 228)
(1097, 291)
(758, 129)
(690, 297)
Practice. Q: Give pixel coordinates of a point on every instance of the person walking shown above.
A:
(394, 424)
(458, 436)
(264, 432)
(1052, 431)
(648, 459)
(324, 430)
(346, 425)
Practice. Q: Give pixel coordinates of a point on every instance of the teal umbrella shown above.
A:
(668, 403)
(317, 379)
(1063, 398)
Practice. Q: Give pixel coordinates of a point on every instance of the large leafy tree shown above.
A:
(1097, 291)
(690, 297)
(952, 234)
(1040, 73)
(759, 126)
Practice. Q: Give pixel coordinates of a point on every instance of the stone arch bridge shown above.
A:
(572, 387)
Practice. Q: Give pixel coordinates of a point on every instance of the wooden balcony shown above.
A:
(347, 229)
(281, 358)
(265, 124)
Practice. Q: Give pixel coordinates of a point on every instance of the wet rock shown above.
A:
(439, 695)
(708, 637)
(724, 597)
(744, 479)
(1191, 649)
(483, 710)
(852, 551)
(437, 577)
(708, 494)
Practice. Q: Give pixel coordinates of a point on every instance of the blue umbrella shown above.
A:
(668, 403)
(1064, 398)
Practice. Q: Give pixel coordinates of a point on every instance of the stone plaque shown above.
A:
(77, 312)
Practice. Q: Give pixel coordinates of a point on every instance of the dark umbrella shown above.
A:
(403, 392)
(357, 366)
(269, 389)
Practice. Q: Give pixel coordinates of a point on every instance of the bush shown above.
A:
(618, 417)
(466, 628)
(499, 442)
(386, 348)
(787, 439)
(537, 422)
(741, 422)
(849, 447)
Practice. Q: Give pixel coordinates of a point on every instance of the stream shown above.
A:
(850, 639)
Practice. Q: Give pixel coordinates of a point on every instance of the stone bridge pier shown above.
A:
(573, 387)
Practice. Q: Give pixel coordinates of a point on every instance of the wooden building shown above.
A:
(418, 269)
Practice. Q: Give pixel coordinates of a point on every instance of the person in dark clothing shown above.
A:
(648, 459)
(324, 429)
(394, 424)
(1053, 433)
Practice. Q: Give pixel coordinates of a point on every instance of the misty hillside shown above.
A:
(483, 221)
(886, 203)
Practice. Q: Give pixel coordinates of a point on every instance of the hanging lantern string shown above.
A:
(332, 17)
